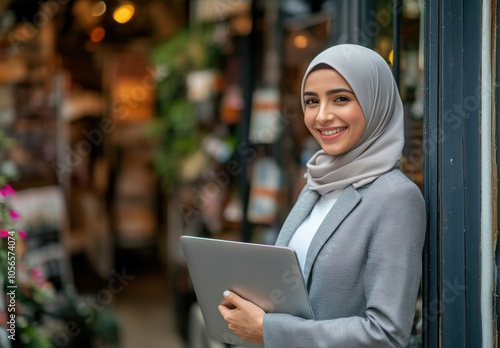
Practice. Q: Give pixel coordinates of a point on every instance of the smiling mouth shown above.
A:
(333, 131)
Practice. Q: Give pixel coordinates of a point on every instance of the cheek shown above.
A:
(360, 129)
(357, 121)
(308, 119)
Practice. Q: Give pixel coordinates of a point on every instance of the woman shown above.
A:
(358, 225)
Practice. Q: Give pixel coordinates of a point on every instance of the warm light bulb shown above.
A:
(124, 13)
(98, 9)
(300, 41)
(97, 34)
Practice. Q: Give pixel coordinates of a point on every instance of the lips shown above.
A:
(332, 131)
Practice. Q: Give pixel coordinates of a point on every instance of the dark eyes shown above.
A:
(311, 101)
(336, 99)
(341, 98)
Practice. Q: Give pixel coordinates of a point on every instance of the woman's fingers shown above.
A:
(245, 320)
(234, 299)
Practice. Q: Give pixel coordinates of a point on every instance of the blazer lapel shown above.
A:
(346, 202)
(299, 212)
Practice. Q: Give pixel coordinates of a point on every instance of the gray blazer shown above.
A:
(362, 269)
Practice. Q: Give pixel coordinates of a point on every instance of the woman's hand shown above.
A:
(245, 320)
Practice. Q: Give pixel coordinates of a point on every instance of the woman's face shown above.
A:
(331, 111)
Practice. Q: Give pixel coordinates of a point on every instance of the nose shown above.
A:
(325, 114)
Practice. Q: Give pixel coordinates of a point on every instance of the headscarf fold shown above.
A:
(380, 147)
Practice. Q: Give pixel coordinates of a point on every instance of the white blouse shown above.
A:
(302, 238)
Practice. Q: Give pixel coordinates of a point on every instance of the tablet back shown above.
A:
(267, 275)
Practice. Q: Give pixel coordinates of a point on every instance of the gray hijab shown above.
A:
(380, 147)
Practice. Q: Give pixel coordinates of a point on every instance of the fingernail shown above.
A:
(226, 293)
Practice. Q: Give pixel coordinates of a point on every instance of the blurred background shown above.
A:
(125, 124)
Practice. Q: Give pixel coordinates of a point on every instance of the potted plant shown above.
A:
(189, 57)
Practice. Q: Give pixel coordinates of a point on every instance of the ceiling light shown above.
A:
(124, 13)
(98, 9)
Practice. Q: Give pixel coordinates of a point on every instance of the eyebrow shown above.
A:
(330, 92)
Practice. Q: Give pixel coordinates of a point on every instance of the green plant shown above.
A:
(34, 298)
(32, 290)
(175, 129)
(8, 171)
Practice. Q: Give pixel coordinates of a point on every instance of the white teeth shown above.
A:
(333, 131)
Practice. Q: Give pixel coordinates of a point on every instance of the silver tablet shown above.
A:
(267, 275)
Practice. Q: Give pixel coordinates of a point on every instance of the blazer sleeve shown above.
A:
(390, 281)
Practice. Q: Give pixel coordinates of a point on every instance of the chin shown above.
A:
(335, 152)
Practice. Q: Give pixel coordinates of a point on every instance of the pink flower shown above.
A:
(13, 214)
(38, 277)
(4, 233)
(36, 272)
(22, 234)
(7, 190)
